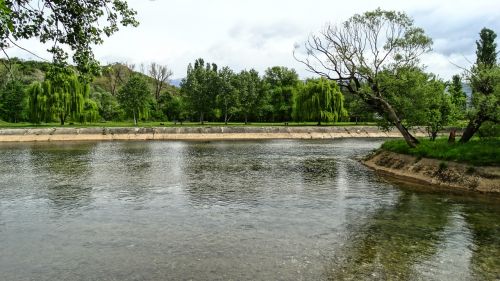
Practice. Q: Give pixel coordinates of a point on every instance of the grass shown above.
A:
(476, 152)
(172, 124)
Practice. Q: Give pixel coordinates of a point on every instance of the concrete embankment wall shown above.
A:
(195, 133)
(436, 173)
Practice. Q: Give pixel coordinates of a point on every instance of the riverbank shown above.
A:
(445, 174)
(196, 133)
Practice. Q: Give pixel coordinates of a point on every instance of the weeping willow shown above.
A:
(319, 100)
(61, 99)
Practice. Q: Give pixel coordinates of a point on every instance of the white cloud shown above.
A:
(261, 33)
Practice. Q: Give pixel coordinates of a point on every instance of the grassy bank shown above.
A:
(172, 124)
(476, 152)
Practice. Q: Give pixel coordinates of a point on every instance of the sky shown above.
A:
(244, 34)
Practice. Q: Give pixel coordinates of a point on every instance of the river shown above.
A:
(242, 210)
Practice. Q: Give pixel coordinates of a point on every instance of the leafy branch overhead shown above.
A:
(73, 24)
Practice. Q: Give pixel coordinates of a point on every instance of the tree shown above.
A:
(458, 96)
(485, 80)
(228, 98)
(200, 87)
(134, 97)
(249, 87)
(280, 83)
(107, 104)
(60, 96)
(320, 100)
(486, 54)
(78, 25)
(419, 99)
(355, 52)
(161, 74)
(13, 99)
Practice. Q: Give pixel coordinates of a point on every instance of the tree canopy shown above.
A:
(134, 96)
(355, 52)
(76, 24)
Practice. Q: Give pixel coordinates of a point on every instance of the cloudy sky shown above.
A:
(246, 34)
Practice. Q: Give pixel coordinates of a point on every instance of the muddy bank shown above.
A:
(436, 173)
(195, 133)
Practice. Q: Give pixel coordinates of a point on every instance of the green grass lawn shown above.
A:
(171, 124)
(476, 152)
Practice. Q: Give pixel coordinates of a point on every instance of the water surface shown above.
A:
(263, 210)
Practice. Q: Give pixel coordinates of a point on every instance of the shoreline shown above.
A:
(196, 133)
(434, 173)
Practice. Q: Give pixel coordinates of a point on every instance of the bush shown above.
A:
(489, 130)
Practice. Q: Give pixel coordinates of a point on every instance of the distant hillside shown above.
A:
(112, 78)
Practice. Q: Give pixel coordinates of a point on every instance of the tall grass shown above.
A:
(476, 152)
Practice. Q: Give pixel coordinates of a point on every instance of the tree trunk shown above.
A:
(433, 136)
(201, 119)
(135, 119)
(451, 138)
(246, 119)
(471, 129)
(394, 119)
(61, 118)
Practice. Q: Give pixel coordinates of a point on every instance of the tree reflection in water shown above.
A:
(394, 239)
(64, 171)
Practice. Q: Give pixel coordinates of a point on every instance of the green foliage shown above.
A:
(419, 99)
(486, 54)
(319, 100)
(200, 87)
(107, 104)
(484, 78)
(489, 130)
(358, 51)
(61, 97)
(249, 86)
(75, 24)
(280, 86)
(228, 98)
(476, 152)
(13, 101)
(134, 97)
(90, 112)
(458, 96)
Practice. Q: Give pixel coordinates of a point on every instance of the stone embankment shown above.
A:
(195, 133)
(435, 173)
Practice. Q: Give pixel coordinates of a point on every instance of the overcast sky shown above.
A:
(246, 34)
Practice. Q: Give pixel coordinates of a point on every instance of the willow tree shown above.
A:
(355, 52)
(58, 98)
(319, 100)
(39, 109)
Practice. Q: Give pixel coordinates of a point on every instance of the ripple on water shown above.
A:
(248, 210)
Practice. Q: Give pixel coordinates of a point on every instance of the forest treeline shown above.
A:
(31, 91)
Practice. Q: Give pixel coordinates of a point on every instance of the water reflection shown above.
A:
(485, 229)
(217, 173)
(266, 210)
(63, 171)
(394, 239)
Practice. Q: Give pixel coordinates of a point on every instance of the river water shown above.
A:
(259, 210)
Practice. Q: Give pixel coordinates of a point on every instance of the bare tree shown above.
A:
(357, 51)
(117, 74)
(161, 75)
